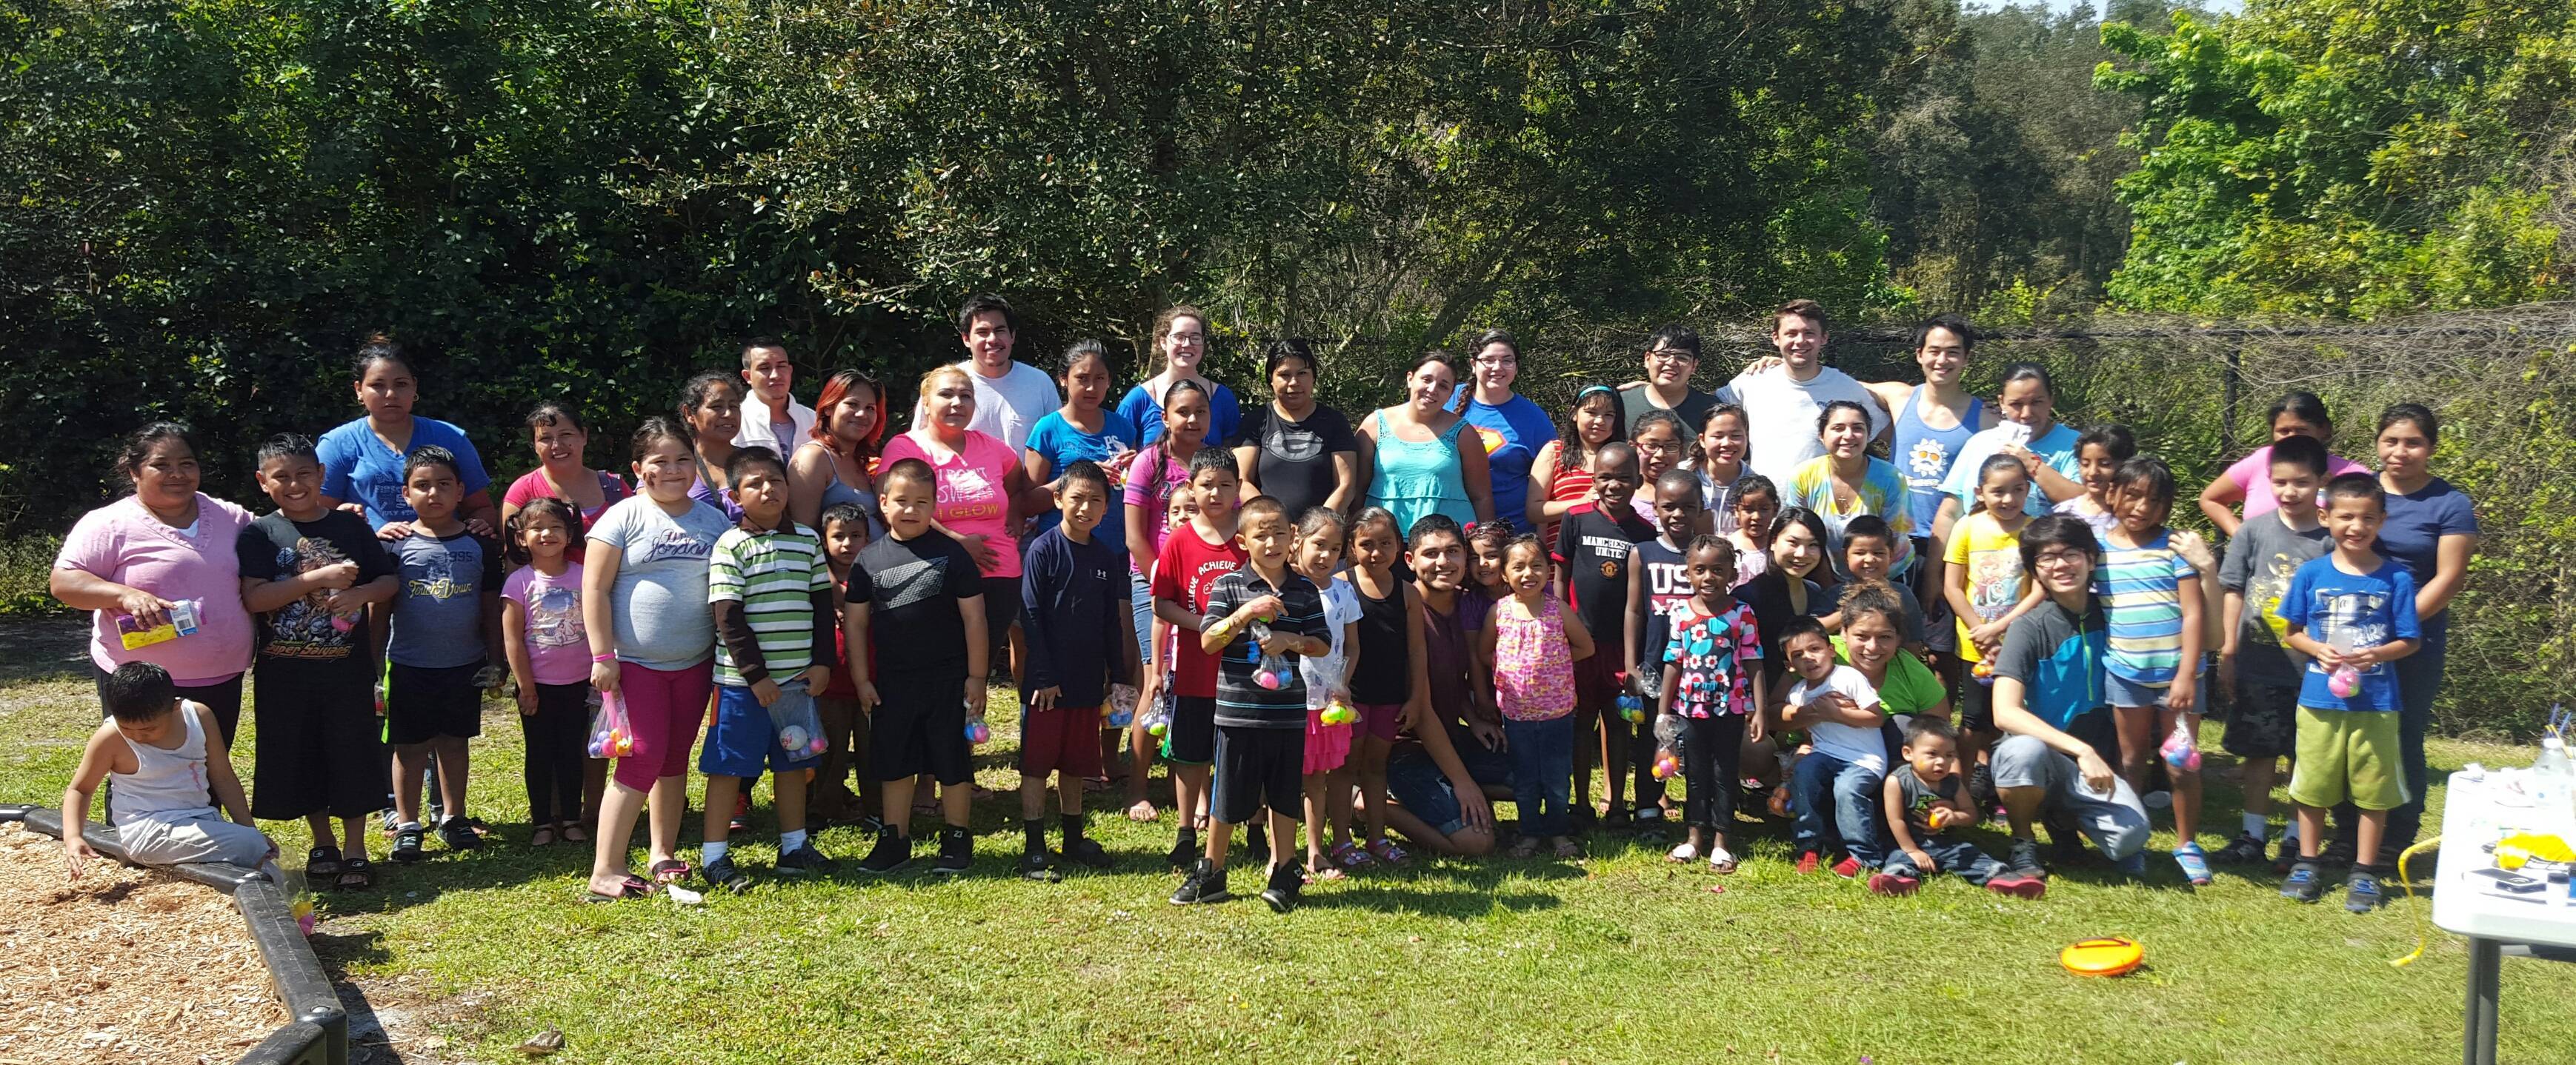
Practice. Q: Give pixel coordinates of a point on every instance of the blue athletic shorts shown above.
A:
(742, 742)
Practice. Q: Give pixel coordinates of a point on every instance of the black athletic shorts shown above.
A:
(1193, 737)
(919, 726)
(425, 703)
(1257, 767)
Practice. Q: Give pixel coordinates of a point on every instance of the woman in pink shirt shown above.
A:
(983, 492)
(562, 444)
(2249, 481)
(163, 556)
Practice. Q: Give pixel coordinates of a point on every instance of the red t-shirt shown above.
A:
(1184, 571)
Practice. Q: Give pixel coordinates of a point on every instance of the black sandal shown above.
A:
(357, 874)
(322, 863)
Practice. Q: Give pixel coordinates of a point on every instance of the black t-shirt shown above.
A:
(302, 632)
(1293, 461)
(1768, 594)
(1693, 409)
(1384, 675)
(1663, 575)
(911, 592)
(1595, 549)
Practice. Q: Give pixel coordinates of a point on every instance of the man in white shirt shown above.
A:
(1010, 397)
(1783, 401)
(772, 418)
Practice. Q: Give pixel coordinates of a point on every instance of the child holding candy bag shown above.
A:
(1534, 642)
(770, 590)
(543, 638)
(1330, 716)
(1079, 642)
(1712, 681)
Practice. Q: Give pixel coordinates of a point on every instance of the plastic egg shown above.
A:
(977, 732)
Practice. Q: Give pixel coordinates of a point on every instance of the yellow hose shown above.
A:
(2404, 883)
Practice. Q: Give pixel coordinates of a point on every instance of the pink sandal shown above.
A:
(1351, 857)
(1386, 851)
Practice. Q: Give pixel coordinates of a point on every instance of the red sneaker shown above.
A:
(1847, 868)
(1884, 884)
(2023, 887)
(1807, 862)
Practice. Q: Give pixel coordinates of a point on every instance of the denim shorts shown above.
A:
(1416, 783)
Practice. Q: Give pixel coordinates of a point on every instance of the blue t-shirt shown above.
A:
(1145, 411)
(2352, 610)
(1512, 432)
(357, 468)
(1074, 605)
(2055, 447)
(2417, 522)
(1060, 444)
(438, 615)
(2057, 656)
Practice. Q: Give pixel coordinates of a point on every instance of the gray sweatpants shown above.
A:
(178, 836)
(2115, 822)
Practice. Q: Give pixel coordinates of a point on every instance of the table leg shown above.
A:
(2479, 1041)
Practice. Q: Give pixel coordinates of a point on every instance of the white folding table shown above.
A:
(2476, 813)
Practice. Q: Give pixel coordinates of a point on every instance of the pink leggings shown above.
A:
(664, 707)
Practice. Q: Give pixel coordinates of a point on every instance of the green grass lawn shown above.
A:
(1620, 957)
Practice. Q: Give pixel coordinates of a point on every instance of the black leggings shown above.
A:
(558, 738)
(1711, 747)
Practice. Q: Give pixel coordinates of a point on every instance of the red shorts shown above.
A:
(1597, 680)
(1063, 740)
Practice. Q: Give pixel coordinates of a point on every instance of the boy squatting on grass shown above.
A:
(162, 754)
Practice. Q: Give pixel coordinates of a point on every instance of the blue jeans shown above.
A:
(1542, 773)
(1142, 602)
(1948, 856)
(1822, 782)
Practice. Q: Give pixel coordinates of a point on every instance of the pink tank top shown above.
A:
(1533, 665)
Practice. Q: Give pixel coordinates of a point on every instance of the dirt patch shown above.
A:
(44, 647)
(124, 966)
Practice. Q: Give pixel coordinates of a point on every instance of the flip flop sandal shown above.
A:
(633, 887)
(574, 834)
(542, 836)
(356, 874)
(1721, 862)
(670, 871)
(1143, 810)
(322, 863)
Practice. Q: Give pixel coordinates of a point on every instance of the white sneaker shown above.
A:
(1684, 853)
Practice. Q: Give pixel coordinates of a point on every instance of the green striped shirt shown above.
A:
(774, 575)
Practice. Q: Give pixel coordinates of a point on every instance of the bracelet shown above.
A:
(609, 657)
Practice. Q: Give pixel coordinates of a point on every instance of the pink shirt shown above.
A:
(123, 542)
(2253, 473)
(1152, 477)
(972, 498)
(558, 645)
(533, 486)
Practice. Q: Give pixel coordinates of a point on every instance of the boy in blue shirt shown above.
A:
(1073, 587)
(2352, 613)
(439, 659)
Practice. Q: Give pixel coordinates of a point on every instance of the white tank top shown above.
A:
(163, 781)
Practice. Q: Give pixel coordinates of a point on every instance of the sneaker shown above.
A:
(2195, 865)
(741, 820)
(722, 874)
(1281, 894)
(2244, 850)
(1888, 884)
(2134, 865)
(1647, 816)
(893, 851)
(1087, 853)
(1206, 883)
(804, 859)
(458, 835)
(2336, 854)
(2303, 884)
(2024, 860)
(2018, 886)
(2361, 893)
(1036, 864)
(956, 852)
(1185, 854)
(1256, 847)
(407, 843)
(1848, 868)
(1807, 863)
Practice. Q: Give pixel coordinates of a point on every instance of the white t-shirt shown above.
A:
(1008, 408)
(1324, 674)
(1783, 415)
(758, 431)
(1853, 744)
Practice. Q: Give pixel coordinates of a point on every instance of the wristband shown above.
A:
(609, 657)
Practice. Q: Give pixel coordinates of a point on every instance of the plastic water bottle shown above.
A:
(2553, 789)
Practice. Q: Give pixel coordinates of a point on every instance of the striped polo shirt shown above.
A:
(774, 574)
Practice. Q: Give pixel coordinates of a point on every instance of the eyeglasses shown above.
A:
(2060, 557)
(1671, 355)
(1498, 360)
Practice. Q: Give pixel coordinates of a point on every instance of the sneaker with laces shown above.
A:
(2018, 886)
(1848, 868)
(407, 843)
(1807, 862)
(1205, 884)
(2243, 850)
(956, 852)
(893, 851)
(2361, 892)
(721, 873)
(804, 859)
(1088, 853)
(2287, 856)
(2024, 860)
(2303, 884)
(459, 835)
(1891, 884)
(1281, 893)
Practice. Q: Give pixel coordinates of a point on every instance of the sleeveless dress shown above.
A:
(1413, 481)
(1533, 666)
(1924, 456)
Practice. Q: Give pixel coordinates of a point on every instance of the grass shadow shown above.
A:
(44, 647)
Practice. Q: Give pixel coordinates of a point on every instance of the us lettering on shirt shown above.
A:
(1665, 581)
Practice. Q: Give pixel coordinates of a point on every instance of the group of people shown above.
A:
(1372, 630)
